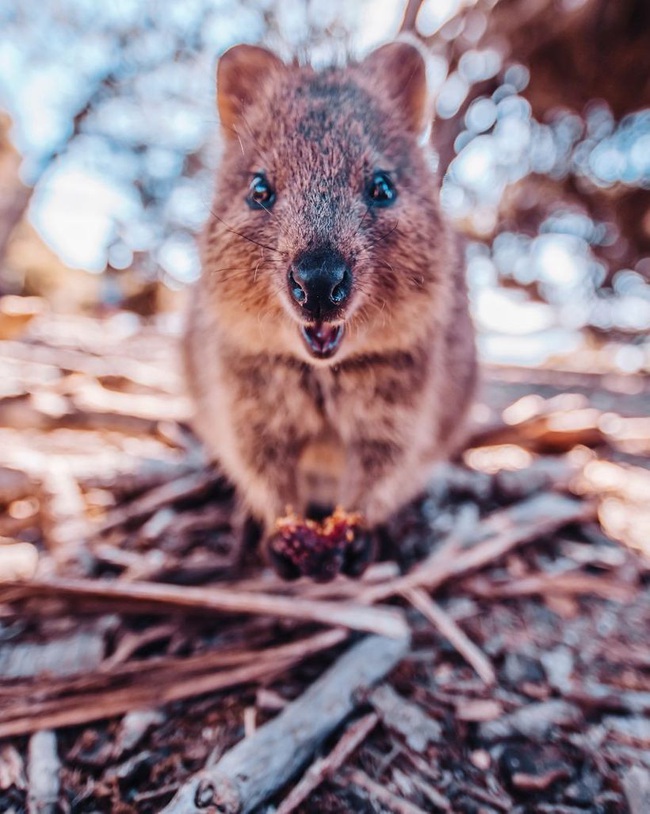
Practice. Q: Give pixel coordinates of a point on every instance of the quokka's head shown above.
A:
(325, 228)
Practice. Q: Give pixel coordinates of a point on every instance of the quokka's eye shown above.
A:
(261, 194)
(381, 190)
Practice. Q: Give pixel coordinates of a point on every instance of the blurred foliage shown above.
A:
(542, 129)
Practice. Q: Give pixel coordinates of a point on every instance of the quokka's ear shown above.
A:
(240, 73)
(399, 70)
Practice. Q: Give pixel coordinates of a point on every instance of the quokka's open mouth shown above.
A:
(322, 339)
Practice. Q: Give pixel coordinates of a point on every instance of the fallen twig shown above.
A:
(507, 529)
(594, 695)
(82, 707)
(18, 561)
(43, 768)
(258, 766)
(636, 784)
(356, 777)
(533, 721)
(164, 495)
(566, 584)
(12, 768)
(432, 794)
(65, 524)
(150, 597)
(405, 718)
(327, 766)
(410, 15)
(452, 632)
(77, 653)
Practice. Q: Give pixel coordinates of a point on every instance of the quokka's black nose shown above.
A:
(320, 282)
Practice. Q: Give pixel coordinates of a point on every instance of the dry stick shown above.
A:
(127, 478)
(79, 652)
(18, 414)
(452, 632)
(162, 670)
(43, 769)
(636, 785)
(391, 801)
(82, 708)
(65, 525)
(410, 15)
(327, 766)
(50, 356)
(258, 766)
(567, 584)
(382, 621)
(405, 718)
(521, 523)
(54, 714)
(433, 794)
(425, 770)
(90, 396)
(163, 495)
(18, 560)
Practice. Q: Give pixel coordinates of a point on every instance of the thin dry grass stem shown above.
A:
(446, 626)
(325, 768)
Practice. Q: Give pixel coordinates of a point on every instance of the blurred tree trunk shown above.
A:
(577, 53)
(14, 195)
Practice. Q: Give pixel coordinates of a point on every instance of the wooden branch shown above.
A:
(78, 652)
(406, 719)
(14, 195)
(73, 665)
(258, 766)
(101, 363)
(410, 16)
(152, 598)
(164, 495)
(624, 394)
(452, 632)
(636, 785)
(433, 794)
(325, 768)
(65, 525)
(18, 561)
(137, 477)
(594, 695)
(90, 397)
(507, 529)
(566, 584)
(29, 411)
(43, 770)
(380, 793)
(83, 707)
(533, 721)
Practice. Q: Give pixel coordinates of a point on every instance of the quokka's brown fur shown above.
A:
(363, 428)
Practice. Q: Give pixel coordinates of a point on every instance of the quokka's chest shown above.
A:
(277, 394)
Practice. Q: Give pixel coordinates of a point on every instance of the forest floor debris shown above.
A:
(142, 646)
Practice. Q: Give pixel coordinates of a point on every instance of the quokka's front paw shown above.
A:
(340, 544)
